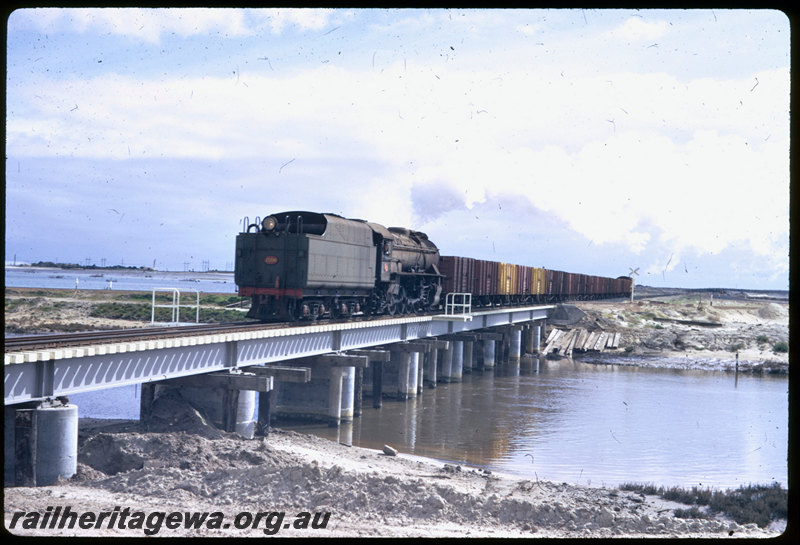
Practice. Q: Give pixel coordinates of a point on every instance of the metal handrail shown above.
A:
(175, 305)
(460, 301)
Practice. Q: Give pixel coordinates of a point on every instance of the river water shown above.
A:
(566, 421)
(563, 421)
(120, 279)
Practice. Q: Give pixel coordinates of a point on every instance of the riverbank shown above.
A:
(367, 492)
(684, 332)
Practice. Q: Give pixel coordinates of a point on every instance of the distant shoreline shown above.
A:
(116, 268)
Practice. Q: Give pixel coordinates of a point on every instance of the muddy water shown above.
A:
(592, 424)
(566, 421)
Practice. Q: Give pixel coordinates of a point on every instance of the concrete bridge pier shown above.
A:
(468, 363)
(341, 390)
(371, 379)
(446, 361)
(488, 354)
(515, 345)
(528, 338)
(420, 370)
(401, 372)
(501, 348)
(229, 409)
(227, 399)
(405, 371)
(431, 361)
(453, 361)
(318, 400)
(413, 375)
(330, 394)
(457, 368)
(542, 333)
(429, 364)
(538, 330)
(40, 442)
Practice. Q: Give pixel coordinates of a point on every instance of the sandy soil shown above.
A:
(367, 492)
(28, 311)
(652, 334)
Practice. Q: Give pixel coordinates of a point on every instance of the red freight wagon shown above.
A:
(485, 280)
(523, 280)
(582, 285)
(555, 283)
(569, 283)
(591, 286)
(458, 273)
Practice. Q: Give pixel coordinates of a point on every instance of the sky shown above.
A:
(592, 141)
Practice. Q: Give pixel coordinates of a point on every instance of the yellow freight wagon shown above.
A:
(506, 279)
(537, 281)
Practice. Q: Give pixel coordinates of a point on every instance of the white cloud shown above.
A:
(151, 25)
(615, 156)
(636, 29)
(305, 18)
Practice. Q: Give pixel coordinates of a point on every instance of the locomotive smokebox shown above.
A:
(413, 249)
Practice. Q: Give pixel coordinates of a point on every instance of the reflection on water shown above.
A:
(592, 424)
(573, 422)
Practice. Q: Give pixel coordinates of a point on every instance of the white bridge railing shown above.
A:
(175, 305)
(458, 304)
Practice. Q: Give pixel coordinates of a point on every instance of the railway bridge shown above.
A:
(243, 377)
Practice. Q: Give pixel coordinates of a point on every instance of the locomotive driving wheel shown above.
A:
(399, 303)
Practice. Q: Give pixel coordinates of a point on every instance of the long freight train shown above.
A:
(306, 265)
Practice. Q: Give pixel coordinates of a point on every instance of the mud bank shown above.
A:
(366, 492)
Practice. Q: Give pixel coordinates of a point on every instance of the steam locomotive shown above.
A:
(307, 265)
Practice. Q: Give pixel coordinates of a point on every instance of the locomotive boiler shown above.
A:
(306, 265)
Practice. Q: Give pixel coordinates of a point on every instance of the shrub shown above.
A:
(691, 513)
(760, 504)
(780, 346)
(762, 339)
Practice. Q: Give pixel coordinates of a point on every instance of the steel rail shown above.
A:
(57, 340)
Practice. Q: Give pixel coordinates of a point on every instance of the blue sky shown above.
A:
(583, 140)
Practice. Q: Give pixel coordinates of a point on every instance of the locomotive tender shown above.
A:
(306, 265)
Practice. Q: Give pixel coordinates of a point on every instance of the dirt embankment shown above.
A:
(40, 310)
(367, 493)
(35, 310)
(683, 332)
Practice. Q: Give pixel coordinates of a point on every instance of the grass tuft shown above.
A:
(759, 504)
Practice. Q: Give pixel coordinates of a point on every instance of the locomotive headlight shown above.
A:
(269, 223)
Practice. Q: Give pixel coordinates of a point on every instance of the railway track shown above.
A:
(59, 340)
(62, 340)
